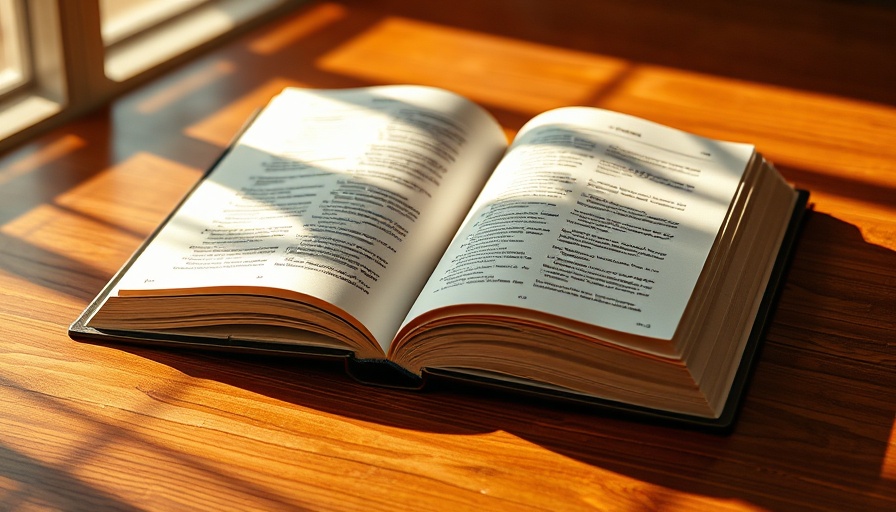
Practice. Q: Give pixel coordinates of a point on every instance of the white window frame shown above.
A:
(17, 70)
(44, 94)
(72, 71)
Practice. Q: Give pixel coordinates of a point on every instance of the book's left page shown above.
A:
(341, 200)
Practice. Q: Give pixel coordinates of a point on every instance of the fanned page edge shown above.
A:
(722, 425)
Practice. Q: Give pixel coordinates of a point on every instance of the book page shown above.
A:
(594, 216)
(349, 196)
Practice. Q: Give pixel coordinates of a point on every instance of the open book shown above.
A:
(598, 257)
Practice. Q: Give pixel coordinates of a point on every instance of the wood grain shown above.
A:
(811, 83)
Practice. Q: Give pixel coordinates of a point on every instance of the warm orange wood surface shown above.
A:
(811, 83)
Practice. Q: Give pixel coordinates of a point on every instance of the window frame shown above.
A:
(13, 26)
(72, 71)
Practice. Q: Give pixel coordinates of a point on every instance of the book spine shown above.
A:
(383, 373)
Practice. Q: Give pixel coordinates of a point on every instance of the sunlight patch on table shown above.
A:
(138, 193)
(55, 150)
(180, 90)
(496, 71)
(311, 21)
(127, 420)
(888, 467)
(811, 131)
(589, 484)
(116, 209)
(58, 231)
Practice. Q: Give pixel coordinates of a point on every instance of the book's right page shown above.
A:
(594, 216)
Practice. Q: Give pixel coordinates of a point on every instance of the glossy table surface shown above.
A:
(812, 84)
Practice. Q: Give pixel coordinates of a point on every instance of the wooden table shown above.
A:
(812, 84)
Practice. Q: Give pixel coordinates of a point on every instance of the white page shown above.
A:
(344, 195)
(595, 216)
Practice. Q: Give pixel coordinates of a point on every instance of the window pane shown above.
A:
(124, 18)
(139, 35)
(14, 70)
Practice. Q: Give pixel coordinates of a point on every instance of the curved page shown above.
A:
(349, 196)
(593, 216)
